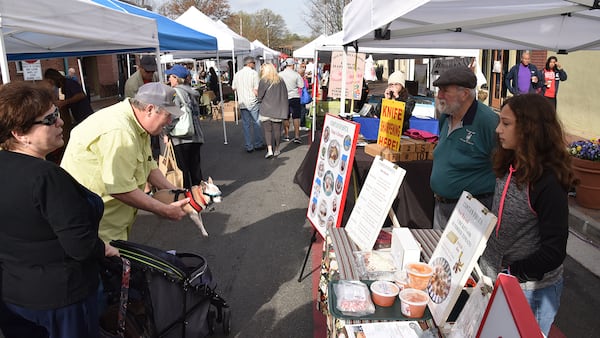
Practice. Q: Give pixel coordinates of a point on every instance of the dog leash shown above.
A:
(124, 297)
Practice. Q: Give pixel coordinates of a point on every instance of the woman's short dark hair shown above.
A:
(20, 104)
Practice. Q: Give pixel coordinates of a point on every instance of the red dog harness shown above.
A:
(187, 193)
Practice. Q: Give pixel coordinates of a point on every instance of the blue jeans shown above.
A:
(75, 320)
(253, 135)
(544, 303)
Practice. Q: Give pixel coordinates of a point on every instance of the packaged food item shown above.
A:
(353, 298)
(384, 293)
(419, 275)
(375, 265)
(413, 302)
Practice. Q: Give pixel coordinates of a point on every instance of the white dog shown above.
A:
(201, 197)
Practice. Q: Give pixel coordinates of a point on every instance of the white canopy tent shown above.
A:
(226, 41)
(260, 50)
(35, 29)
(556, 25)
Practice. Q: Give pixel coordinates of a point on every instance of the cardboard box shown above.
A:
(405, 248)
(374, 149)
(229, 110)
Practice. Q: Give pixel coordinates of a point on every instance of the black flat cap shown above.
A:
(460, 76)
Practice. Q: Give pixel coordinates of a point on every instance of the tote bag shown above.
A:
(305, 98)
(168, 166)
(185, 125)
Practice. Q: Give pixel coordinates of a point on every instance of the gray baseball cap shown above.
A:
(161, 95)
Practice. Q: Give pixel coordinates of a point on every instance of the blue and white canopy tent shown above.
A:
(36, 29)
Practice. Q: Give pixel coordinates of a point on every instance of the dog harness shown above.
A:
(187, 193)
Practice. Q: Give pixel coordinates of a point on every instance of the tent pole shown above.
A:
(81, 79)
(4, 62)
(221, 102)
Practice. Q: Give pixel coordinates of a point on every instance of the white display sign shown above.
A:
(374, 202)
(332, 173)
(456, 254)
(32, 70)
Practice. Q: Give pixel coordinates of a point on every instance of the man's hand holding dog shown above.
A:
(175, 210)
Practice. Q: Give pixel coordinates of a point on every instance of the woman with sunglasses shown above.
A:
(49, 245)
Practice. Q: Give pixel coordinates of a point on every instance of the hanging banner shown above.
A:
(332, 173)
(354, 75)
(390, 126)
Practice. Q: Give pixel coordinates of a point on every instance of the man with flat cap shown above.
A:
(462, 159)
(146, 72)
(109, 153)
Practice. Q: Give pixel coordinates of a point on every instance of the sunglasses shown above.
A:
(50, 119)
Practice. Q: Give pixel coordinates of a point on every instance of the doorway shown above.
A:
(498, 65)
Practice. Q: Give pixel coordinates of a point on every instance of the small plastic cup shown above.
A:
(419, 275)
(413, 302)
(384, 293)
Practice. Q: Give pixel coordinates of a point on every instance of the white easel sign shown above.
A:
(374, 202)
(456, 254)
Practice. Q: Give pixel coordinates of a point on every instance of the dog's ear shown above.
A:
(210, 181)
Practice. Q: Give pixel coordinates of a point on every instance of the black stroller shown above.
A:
(169, 295)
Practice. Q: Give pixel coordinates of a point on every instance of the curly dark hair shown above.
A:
(541, 143)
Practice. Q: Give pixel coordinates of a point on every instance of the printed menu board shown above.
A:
(456, 254)
(332, 173)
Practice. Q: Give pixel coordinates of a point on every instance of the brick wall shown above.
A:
(538, 58)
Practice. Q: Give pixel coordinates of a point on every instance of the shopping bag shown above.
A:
(305, 98)
(185, 124)
(168, 166)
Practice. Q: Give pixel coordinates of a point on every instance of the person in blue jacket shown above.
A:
(523, 78)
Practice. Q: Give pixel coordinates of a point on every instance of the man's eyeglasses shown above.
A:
(50, 119)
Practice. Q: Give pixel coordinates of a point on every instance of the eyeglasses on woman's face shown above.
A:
(50, 119)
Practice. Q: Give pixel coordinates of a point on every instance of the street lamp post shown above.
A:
(268, 40)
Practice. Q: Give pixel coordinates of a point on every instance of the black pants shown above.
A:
(188, 160)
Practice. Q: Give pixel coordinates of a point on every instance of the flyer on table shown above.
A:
(332, 173)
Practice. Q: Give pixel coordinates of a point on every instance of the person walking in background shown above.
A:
(396, 91)
(245, 82)
(533, 170)
(49, 245)
(294, 83)
(109, 153)
(303, 110)
(462, 157)
(523, 78)
(187, 148)
(213, 84)
(146, 72)
(72, 74)
(273, 98)
(552, 75)
(75, 99)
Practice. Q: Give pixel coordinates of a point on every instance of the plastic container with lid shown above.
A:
(384, 293)
(419, 275)
(413, 302)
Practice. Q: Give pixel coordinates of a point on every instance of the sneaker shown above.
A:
(276, 153)
(298, 141)
(304, 128)
(269, 155)
(249, 150)
(286, 139)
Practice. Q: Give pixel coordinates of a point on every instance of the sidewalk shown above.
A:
(584, 238)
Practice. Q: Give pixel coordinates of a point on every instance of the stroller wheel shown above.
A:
(226, 321)
(210, 319)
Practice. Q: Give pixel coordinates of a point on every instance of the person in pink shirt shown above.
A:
(552, 75)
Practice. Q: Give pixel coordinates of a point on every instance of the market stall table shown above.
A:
(413, 205)
(339, 264)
